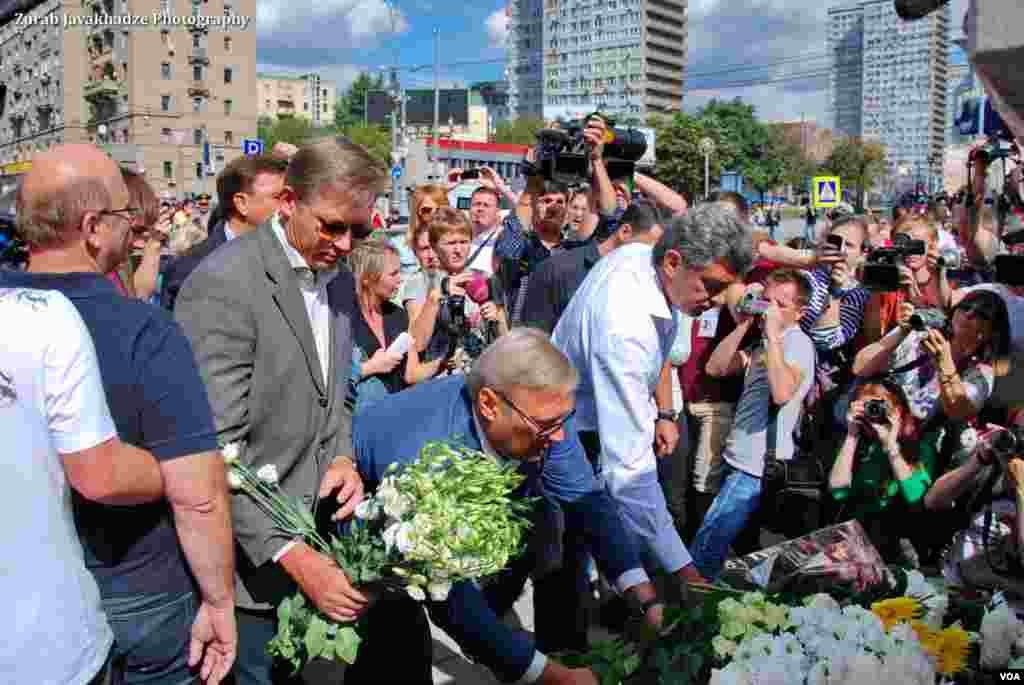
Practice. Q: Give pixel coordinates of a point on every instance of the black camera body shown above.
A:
(876, 411)
(1009, 269)
(881, 271)
(452, 313)
(752, 304)
(562, 154)
(926, 319)
(1007, 444)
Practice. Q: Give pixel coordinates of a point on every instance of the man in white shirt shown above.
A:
(618, 331)
(58, 433)
(486, 219)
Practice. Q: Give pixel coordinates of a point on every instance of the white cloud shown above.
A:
(328, 23)
(497, 28)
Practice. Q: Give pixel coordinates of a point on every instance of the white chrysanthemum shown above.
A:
(234, 480)
(390, 535)
(439, 590)
(268, 474)
(723, 646)
(821, 601)
(404, 538)
(1000, 629)
(733, 674)
(368, 510)
(416, 592)
(398, 506)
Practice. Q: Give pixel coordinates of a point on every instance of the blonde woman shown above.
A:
(376, 370)
(426, 199)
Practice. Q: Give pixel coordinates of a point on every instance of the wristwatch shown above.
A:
(667, 416)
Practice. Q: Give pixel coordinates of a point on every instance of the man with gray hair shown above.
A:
(618, 331)
(516, 404)
(269, 315)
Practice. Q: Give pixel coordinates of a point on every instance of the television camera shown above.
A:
(563, 155)
(881, 271)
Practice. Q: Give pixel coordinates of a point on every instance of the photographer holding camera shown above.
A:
(883, 468)
(452, 309)
(944, 369)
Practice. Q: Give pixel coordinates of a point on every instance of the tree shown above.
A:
(351, 107)
(680, 161)
(522, 131)
(859, 164)
(737, 125)
(294, 130)
(779, 163)
(376, 140)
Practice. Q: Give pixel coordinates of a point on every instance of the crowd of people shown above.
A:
(554, 333)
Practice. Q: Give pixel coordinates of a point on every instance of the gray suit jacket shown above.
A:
(244, 314)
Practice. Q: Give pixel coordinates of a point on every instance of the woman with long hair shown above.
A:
(149, 238)
(376, 371)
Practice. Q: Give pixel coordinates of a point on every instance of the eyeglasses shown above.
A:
(331, 232)
(540, 432)
(130, 214)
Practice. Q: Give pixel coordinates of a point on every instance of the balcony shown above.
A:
(198, 88)
(198, 56)
(674, 75)
(677, 11)
(105, 88)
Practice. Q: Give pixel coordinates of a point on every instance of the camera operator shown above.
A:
(883, 468)
(517, 251)
(450, 309)
(920, 279)
(944, 369)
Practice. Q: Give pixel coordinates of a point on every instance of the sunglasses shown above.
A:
(540, 431)
(331, 232)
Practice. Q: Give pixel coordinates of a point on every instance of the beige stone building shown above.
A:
(154, 82)
(307, 96)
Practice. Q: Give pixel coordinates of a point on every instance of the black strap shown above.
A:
(899, 369)
(479, 249)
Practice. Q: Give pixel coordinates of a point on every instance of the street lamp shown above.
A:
(707, 146)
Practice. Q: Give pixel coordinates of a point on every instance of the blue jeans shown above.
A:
(151, 637)
(737, 500)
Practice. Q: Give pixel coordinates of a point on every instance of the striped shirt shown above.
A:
(851, 312)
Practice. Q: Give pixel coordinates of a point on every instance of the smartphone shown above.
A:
(401, 344)
(470, 174)
(836, 242)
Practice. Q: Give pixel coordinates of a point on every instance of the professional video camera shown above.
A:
(881, 272)
(562, 154)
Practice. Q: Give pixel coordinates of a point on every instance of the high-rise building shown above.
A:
(307, 96)
(571, 57)
(163, 85)
(898, 71)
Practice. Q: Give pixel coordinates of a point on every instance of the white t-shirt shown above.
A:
(484, 260)
(51, 402)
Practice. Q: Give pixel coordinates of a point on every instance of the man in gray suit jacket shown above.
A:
(269, 316)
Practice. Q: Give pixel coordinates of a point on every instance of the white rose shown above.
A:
(403, 538)
(234, 480)
(390, 536)
(231, 452)
(439, 591)
(368, 510)
(398, 506)
(822, 601)
(416, 592)
(268, 474)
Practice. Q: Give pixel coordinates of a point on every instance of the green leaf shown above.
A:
(631, 664)
(316, 637)
(346, 644)
(284, 612)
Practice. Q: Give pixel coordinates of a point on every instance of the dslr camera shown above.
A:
(752, 304)
(926, 319)
(562, 154)
(875, 411)
(452, 313)
(949, 259)
(882, 269)
(1006, 444)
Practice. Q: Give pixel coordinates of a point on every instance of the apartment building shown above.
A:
(622, 57)
(902, 71)
(308, 96)
(165, 86)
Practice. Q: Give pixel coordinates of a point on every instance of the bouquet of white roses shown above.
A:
(446, 517)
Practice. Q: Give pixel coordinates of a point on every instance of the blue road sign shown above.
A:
(396, 172)
(252, 146)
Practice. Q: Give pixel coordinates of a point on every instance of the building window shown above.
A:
(305, 106)
(325, 107)
(165, 133)
(195, 41)
(227, 43)
(165, 6)
(168, 170)
(197, 73)
(197, 105)
(165, 70)
(325, 92)
(165, 103)
(197, 136)
(227, 107)
(227, 74)
(199, 169)
(267, 103)
(229, 138)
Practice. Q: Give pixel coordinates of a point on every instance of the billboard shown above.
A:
(453, 105)
(378, 107)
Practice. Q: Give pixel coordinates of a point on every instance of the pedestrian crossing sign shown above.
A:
(827, 192)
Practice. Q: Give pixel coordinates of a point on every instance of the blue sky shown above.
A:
(781, 41)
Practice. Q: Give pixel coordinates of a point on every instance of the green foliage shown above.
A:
(612, 661)
(361, 553)
(376, 140)
(522, 131)
(303, 633)
(294, 130)
(859, 164)
(680, 161)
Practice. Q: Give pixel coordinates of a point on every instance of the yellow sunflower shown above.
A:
(952, 654)
(896, 610)
(930, 639)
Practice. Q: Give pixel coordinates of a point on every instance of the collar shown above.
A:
(295, 259)
(644, 255)
(78, 284)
